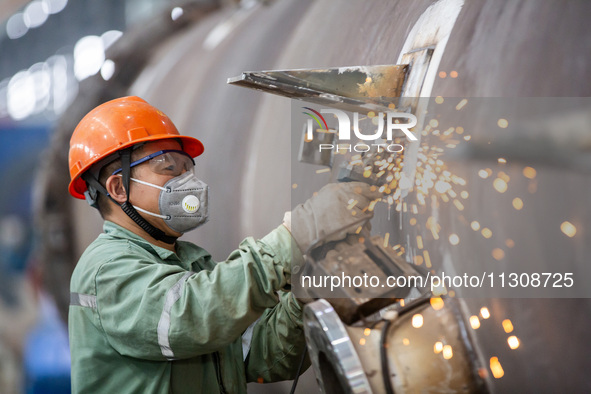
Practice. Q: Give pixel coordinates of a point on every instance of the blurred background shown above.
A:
(48, 50)
(59, 59)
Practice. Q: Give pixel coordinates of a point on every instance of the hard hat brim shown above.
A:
(191, 146)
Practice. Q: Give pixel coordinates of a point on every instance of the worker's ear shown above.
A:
(114, 186)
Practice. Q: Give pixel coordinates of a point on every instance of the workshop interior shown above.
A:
(493, 190)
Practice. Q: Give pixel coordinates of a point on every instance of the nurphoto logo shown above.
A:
(393, 122)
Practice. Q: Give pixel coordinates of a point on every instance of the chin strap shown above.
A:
(129, 210)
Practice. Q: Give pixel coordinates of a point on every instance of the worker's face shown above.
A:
(145, 196)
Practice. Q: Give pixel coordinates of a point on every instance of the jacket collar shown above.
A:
(185, 251)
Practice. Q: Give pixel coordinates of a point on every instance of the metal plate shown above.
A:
(372, 88)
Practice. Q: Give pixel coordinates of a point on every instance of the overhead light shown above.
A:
(41, 76)
(54, 6)
(21, 95)
(59, 77)
(89, 55)
(16, 27)
(176, 13)
(35, 14)
(108, 69)
(109, 38)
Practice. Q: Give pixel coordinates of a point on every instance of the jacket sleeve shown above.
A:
(277, 343)
(155, 311)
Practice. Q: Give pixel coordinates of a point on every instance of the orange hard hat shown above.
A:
(116, 125)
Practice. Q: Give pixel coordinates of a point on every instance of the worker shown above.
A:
(152, 314)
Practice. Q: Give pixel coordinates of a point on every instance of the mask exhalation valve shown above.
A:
(190, 204)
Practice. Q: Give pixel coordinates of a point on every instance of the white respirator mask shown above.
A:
(182, 202)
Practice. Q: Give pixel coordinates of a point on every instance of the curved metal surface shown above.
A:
(335, 360)
(426, 352)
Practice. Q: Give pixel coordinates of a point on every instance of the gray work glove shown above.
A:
(337, 210)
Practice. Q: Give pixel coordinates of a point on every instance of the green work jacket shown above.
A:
(144, 319)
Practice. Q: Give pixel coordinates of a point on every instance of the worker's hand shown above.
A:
(337, 210)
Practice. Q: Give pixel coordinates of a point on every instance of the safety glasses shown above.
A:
(166, 162)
